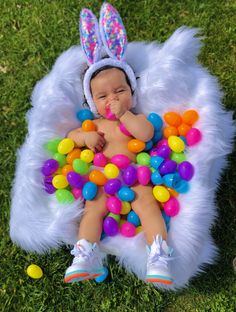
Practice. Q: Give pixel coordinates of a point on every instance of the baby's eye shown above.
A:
(121, 90)
(102, 97)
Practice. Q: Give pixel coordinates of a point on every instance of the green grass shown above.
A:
(33, 34)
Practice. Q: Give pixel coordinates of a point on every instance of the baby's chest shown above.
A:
(112, 132)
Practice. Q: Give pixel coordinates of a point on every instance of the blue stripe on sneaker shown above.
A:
(78, 271)
(167, 278)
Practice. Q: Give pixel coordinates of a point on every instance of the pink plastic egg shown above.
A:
(77, 192)
(114, 204)
(100, 160)
(171, 207)
(121, 161)
(193, 136)
(144, 175)
(154, 151)
(127, 229)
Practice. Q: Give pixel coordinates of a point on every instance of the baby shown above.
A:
(111, 91)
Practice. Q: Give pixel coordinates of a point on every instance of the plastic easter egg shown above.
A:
(100, 160)
(52, 145)
(173, 119)
(101, 278)
(148, 145)
(172, 180)
(183, 129)
(110, 226)
(74, 154)
(61, 159)
(87, 155)
(161, 193)
(193, 136)
(163, 151)
(84, 114)
(80, 166)
(114, 216)
(128, 229)
(112, 186)
(66, 169)
(75, 179)
(170, 131)
(126, 194)
(133, 218)
(111, 171)
(171, 207)
(162, 142)
(121, 161)
(50, 166)
(156, 121)
(178, 157)
(139, 229)
(113, 204)
(59, 181)
(126, 207)
(122, 221)
(157, 136)
(130, 175)
(34, 271)
(65, 146)
(153, 152)
(172, 192)
(48, 187)
(89, 190)
(97, 177)
(143, 159)
(182, 187)
(77, 193)
(143, 175)
(88, 125)
(124, 130)
(186, 170)
(136, 146)
(156, 161)
(156, 178)
(168, 166)
(183, 139)
(190, 117)
(176, 144)
(64, 196)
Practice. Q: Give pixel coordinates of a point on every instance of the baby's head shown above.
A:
(109, 84)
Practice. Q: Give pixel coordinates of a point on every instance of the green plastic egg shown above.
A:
(52, 145)
(143, 159)
(64, 196)
(60, 158)
(178, 157)
(114, 216)
(80, 166)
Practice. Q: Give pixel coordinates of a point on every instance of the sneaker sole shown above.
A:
(81, 276)
(159, 279)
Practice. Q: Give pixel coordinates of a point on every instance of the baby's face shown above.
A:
(110, 85)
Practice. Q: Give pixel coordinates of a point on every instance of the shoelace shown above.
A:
(78, 252)
(157, 253)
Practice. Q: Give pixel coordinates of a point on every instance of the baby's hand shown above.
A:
(94, 140)
(117, 109)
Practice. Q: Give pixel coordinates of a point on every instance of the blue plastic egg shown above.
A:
(101, 278)
(157, 136)
(172, 180)
(156, 178)
(89, 190)
(182, 187)
(156, 161)
(126, 194)
(133, 218)
(156, 121)
(84, 114)
(148, 145)
(183, 139)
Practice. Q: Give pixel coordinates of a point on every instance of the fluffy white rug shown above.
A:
(170, 80)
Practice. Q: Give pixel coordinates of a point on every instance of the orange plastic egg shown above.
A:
(183, 129)
(66, 169)
(190, 117)
(88, 125)
(168, 131)
(173, 119)
(136, 146)
(73, 155)
(172, 192)
(97, 177)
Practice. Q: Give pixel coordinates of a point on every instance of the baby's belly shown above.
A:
(114, 148)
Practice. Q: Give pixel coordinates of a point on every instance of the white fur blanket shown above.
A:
(170, 80)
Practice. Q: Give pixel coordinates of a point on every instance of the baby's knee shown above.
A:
(97, 206)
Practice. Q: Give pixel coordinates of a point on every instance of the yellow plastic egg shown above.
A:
(87, 155)
(59, 181)
(176, 144)
(161, 193)
(65, 146)
(136, 146)
(111, 171)
(139, 229)
(97, 177)
(126, 207)
(34, 271)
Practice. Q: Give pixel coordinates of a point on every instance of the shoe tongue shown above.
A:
(84, 245)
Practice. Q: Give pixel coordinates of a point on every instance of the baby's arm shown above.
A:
(138, 126)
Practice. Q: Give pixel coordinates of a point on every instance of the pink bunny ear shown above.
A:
(89, 36)
(112, 31)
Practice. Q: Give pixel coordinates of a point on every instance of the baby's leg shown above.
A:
(148, 210)
(91, 223)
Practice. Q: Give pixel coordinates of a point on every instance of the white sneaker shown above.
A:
(157, 266)
(87, 262)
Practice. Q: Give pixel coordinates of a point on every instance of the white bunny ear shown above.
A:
(89, 36)
(112, 31)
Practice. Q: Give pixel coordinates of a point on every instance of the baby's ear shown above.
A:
(112, 31)
(89, 36)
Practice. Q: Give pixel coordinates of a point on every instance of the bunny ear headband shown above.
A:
(111, 34)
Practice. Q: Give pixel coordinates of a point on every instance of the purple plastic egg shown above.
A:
(171, 207)
(114, 204)
(162, 142)
(153, 151)
(110, 226)
(112, 186)
(163, 151)
(143, 175)
(130, 175)
(49, 167)
(75, 179)
(186, 170)
(128, 229)
(121, 161)
(168, 166)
